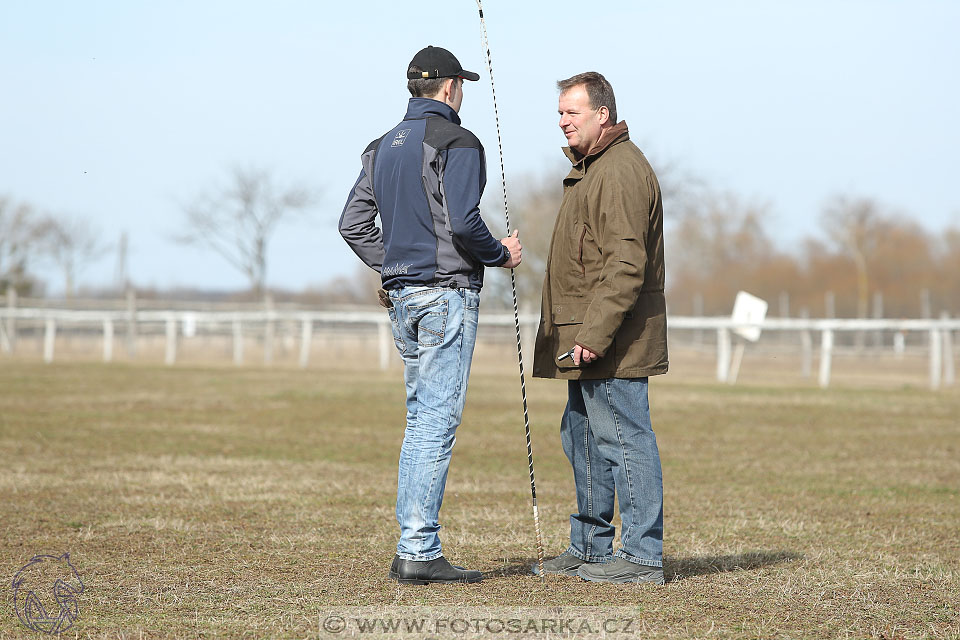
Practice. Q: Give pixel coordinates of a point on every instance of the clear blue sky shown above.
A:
(119, 111)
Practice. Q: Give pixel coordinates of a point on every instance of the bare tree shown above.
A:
(534, 203)
(855, 225)
(19, 242)
(679, 187)
(719, 230)
(238, 221)
(71, 243)
(717, 244)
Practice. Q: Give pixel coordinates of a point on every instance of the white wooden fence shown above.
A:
(939, 332)
(940, 341)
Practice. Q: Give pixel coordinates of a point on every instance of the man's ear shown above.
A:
(603, 115)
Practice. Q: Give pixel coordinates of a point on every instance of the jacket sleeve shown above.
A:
(357, 223)
(461, 183)
(622, 223)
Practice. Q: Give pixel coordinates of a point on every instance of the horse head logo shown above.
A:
(45, 594)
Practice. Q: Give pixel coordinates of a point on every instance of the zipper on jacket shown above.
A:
(583, 270)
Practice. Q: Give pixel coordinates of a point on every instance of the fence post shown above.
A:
(385, 335)
(107, 339)
(878, 315)
(171, 353)
(49, 337)
(949, 371)
(237, 342)
(936, 359)
(723, 354)
(131, 323)
(10, 336)
(806, 345)
(925, 310)
(529, 333)
(306, 337)
(4, 340)
(826, 353)
(736, 361)
(899, 344)
(269, 330)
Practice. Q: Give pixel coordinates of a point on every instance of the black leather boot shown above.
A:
(429, 571)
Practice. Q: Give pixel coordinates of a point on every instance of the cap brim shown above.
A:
(469, 75)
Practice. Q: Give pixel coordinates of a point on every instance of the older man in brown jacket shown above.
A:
(603, 329)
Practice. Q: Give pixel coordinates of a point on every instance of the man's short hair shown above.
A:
(598, 90)
(423, 87)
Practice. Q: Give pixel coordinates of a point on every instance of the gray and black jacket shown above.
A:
(424, 178)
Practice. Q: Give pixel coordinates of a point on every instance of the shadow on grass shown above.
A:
(673, 568)
(510, 567)
(678, 568)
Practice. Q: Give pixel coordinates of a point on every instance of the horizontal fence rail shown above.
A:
(729, 346)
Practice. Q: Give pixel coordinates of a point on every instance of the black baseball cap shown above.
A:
(437, 62)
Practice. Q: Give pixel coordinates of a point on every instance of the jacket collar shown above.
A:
(420, 108)
(610, 136)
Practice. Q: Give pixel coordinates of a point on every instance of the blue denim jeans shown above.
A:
(607, 436)
(435, 330)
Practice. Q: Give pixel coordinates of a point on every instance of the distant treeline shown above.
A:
(871, 262)
(868, 261)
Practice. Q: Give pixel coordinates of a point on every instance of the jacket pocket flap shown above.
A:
(569, 312)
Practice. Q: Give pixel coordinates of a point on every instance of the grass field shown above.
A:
(218, 502)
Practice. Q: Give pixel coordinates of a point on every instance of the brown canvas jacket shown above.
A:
(604, 283)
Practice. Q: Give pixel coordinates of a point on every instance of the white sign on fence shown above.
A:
(748, 310)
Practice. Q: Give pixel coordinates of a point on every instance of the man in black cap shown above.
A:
(424, 179)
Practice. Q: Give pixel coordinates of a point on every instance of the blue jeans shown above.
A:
(607, 436)
(435, 330)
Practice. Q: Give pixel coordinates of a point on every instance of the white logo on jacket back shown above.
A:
(398, 269)
(401, 138)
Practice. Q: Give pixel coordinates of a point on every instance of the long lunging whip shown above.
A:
(513, 288)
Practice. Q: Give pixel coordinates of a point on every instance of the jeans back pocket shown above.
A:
(431, 323)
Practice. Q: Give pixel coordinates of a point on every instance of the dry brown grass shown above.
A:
(215, 502)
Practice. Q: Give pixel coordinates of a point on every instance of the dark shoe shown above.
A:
(396, 563)
(429, 571)
(621, 571)
(565, 564)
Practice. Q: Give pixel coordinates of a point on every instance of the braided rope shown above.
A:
(516, 309)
